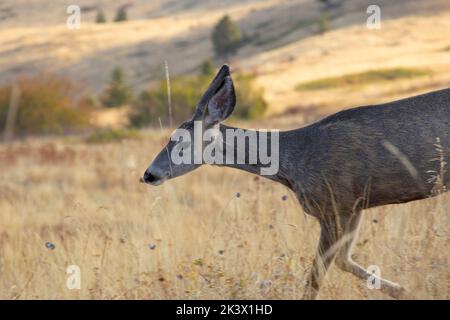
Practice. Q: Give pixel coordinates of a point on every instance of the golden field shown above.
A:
(281, 53)
(190, 238)
(193, 237)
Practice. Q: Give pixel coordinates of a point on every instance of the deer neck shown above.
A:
(240, 145)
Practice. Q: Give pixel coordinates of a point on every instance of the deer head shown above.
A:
(216, 105)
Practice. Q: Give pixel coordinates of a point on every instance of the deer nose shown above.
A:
(148, 177)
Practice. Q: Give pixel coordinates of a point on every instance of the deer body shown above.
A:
(383, 154)
(352, 160)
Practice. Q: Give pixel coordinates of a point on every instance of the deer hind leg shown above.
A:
(346, 263)
(326, 251)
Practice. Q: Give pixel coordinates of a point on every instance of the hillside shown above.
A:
(73, 198)
(283, 49)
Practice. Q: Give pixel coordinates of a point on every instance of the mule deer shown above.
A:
(352, 160)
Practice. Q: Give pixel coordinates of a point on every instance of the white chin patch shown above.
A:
(157, 182)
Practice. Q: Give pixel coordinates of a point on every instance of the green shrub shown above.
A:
(152, 105)
(250, 99)
(226, 37)
(366, 77)
(46, 104)
(121, 15)
(324, 23)
(112, 135)
(330, 4)
(100, 18)
(118, 93)
(207, 68)
(325, 3)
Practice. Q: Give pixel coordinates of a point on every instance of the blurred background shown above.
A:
(84, 110)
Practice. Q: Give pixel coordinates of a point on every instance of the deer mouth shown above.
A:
(153, 183)
(152, 179)
(158, 182)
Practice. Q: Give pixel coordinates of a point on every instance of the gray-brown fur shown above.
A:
(352, 160)
(345, 163)
(347, 152)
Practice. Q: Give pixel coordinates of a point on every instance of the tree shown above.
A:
(330, 4)
(151, 105)
(207, 68)
(117, 93)
(324, 23)
(100, 17)
(121, 15)
(226, 37)
(325, 2)
(251, 102)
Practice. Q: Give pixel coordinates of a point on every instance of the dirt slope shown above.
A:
(283, 47)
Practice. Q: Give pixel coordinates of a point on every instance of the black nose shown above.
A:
(148, 177)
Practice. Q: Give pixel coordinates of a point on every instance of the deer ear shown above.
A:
(222, 103)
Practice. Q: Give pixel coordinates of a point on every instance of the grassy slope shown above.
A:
(281, 52)
(354, 50)
(85, 198)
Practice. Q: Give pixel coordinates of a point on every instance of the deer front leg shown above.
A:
(346, 263)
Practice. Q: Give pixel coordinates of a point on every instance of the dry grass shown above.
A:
(193, 237)
(207, 242)
(362, 78)
(356, 50)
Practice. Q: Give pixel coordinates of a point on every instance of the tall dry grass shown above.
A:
(193, 237)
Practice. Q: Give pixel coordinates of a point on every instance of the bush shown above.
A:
(46, 104)
(250, 99)
(118, 93)
(100, 17)
(325, 3)
(207, 68)
(324, 23)
(330, 4)
(121, 15)
(112, 135)
(152, 105)
(226, 37)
